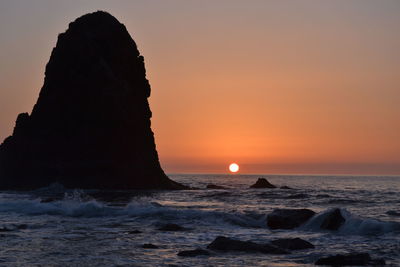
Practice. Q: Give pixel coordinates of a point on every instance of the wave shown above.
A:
(353, 225)
(76, 207)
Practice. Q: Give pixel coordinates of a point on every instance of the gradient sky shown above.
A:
(276, 86)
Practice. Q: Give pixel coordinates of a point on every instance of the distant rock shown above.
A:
(213, 186)
(333, 221)
(225, 244)
(285, 187)
(171, 227)
(262, 183)
(193, 253)
(90, 127)
(149, 246)
(292, 243)
(288, 218)
(355, 259)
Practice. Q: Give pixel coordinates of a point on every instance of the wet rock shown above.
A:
(193, 253)
(90, 127)
(5, 229)
(134, 232)
(333, 221)
(172, 227)
(222, 243)
(150, 246)
(354, 259)
(288, 218)
(292, 243)
(213, 186)
(262, 183)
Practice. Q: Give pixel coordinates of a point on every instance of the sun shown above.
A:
(233, 167)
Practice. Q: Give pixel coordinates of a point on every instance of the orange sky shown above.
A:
(276, 86)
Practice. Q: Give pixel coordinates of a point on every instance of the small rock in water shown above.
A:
(133, 232)
(172, 227)
(359, 259)
(222, 243)
(288, 218)
(193, 253)
(5, 229)
(213, 186)
(151, 246)
(285, 187)
(292, 243)
(262, 183)
(333, 220)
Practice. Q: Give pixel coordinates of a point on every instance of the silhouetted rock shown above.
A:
(262, 183)
(150, 246)
(222, 243)
(333, 220)
(285, 187)
(292, 243)
(288, 218)
(134, 232)
(90, 127)
(213, 186)
(172, 227)
(355, 259)
(193, 253)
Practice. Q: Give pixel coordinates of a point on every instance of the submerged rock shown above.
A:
(134, 232)
(193, 253)
(288, 218)
(262, 183)
(213, 186)
(292, 243)
(90, 127)
(172, 227)
(222, 243)
(150, 246)
(355, 259)
(333, 221)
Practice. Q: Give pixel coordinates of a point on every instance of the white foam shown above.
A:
(354, 225)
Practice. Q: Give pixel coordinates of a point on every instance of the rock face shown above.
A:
(90, 127)
(333, 221)
(222, 243)
(262, 183)
(355, 259)
(288, 218)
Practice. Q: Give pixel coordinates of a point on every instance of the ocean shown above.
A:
(57, 227)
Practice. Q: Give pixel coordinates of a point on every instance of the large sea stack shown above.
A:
(90, 127)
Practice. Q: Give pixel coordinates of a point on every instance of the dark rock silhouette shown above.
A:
(355, 259)
(225, 244)
(149, 246)
(213, 186)
(288, 218)
(333, 220)
(262, 183)
(193, 253)
(285, 187)
(292, 243)
(90, 127)
(172, 227)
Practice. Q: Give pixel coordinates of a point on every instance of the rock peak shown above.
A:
(90, 127)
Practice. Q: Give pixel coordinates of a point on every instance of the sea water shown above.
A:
(57, 227)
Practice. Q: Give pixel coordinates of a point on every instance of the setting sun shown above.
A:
(233, 167)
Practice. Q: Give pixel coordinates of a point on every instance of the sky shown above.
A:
(306, 87)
